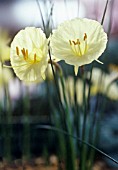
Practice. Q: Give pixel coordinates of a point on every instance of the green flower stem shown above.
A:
(105, 9)
(70, 159)
(44, 27)
(70, 156)
(26, 128)
(62, 110)
(49, 98)
(65, 102)
(7, 127)
(92, 151)
(91, 157)
(94, 124)
(94, 141)
(89, 90)
(76, 115)
(110, 21)
(83, 154)
(62, 148)
(47, 24)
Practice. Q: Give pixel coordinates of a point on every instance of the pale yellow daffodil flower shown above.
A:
(6, 76)
(4, 48)
(78, 42)
(29, 54)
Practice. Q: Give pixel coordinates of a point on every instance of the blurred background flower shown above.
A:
(4, 42)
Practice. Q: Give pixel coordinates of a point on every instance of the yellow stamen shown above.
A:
(74, 43)
(85, 36)
(78, 42)
(85, 39)
(23, 52)
(75, 49)
(30, 58)
(17, 51)
(70, 42)
(79, 47)
(35, 57)
(26, 54)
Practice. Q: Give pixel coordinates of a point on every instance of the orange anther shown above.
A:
(74, 42)
(17, 50)
(78, 42)
(26, 54)
(85, 36)
(23, 52)
(35, 57)
(70, 42)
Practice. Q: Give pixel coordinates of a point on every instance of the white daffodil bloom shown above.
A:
(6, 76)
(112, 92)
(78, 42)
(29, 54)
(4, 48)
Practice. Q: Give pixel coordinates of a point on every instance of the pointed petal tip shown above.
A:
(99, 61)
(76, 70)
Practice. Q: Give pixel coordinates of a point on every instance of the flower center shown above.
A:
(79, 48)
(33, 57)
